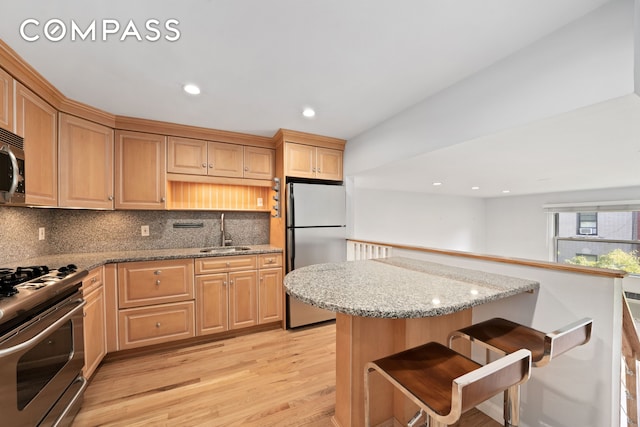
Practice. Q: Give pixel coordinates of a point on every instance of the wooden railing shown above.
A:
(630, 356)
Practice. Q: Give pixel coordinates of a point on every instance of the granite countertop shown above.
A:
(399, 287)
(87, 261)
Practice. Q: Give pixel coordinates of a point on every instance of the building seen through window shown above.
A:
(599, 239)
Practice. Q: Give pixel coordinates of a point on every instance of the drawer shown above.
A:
(157, 324)
(154, 282)
(269, 260)
(93, 280)
(226, 263)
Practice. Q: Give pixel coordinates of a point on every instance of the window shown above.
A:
(599, 239)
(587, 223)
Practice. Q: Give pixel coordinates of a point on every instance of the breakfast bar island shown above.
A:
(387, 305)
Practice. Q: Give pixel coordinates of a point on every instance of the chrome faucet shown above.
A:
(223, 239)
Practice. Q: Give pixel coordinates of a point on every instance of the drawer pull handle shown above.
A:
(270, 260)
(157, 324)
(157, 272)
(158, 282)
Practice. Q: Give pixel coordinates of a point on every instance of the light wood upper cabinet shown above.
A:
(86, 164)
(186, 155)
(140, 170)
(37, 122)
(198, 157)
(259, 163)
(328, 164)
(306, 161)
(225, 159)
(6, 100)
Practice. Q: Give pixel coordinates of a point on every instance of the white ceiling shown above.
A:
(357, 62)
(594, 147)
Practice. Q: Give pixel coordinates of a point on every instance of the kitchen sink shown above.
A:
(225, 249)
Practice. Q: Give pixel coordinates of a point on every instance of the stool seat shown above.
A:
(504, 337)
(444, 383)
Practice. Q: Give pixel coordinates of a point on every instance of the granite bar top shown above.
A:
(87, 261)
(399, 287)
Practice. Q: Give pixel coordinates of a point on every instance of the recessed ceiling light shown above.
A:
(308, 112)
(436, 184)
(506, 191)
(191, 89)
(475, 188)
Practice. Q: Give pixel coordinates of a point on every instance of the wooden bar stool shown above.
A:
(444, 383)
(504, 337)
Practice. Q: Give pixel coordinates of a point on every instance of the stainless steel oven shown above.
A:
(41, 358)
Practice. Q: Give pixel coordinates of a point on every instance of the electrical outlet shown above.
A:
(41, 233)
(260, 203)
(144, 230)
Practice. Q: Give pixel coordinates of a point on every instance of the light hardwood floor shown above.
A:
(272, 378)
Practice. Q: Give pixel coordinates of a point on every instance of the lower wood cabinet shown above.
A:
(163, 301)
(155, 301)
(155, 324)
(94, 323)
(212, 296)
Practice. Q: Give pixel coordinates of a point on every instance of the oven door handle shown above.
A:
(45, 330)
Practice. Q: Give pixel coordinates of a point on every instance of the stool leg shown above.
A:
(367, 420)
(512, 406)
(433, 423)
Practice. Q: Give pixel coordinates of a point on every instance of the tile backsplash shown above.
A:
(69, 231)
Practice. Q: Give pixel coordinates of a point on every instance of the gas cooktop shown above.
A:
(25, 289)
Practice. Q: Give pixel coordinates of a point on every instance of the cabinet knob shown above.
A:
(157, 272)
(211, 165)
(246, 168)
(158, 282)
(162, 199)
(94, 279)
(270, 261)
(204, 165)
(110, 198)
(228, 264)
(231, 282)
(84, 314)
(319, 171)
(313, 169)
(224, 283)
(157, 324)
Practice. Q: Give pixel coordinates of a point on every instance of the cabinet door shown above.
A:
(95, 342)
(243, 299)
(140, 170)
(270, 292)
(6, 100)
(212, 299)
(37, 123)
(328, 164)
(186, 156)
(86, 164)
(259, 163)
(225, 159)
(300, 160)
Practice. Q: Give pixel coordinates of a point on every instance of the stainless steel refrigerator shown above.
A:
(316, 217)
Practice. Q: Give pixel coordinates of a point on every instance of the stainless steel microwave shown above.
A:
(12, 177)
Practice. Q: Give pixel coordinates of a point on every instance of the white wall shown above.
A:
(518, 226)
(418, 219)
(588, 61)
